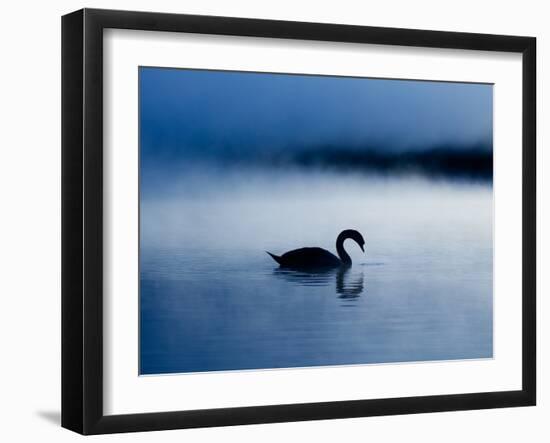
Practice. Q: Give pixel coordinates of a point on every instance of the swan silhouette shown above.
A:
(308, 258)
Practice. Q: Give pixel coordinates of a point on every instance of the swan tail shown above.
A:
(275, 257)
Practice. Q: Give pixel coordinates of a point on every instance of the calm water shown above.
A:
(211, 299)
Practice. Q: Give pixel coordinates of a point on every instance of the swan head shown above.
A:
(353, 235)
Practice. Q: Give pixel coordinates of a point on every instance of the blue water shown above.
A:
(211, 299)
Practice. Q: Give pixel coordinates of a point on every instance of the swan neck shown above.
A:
(344, 256)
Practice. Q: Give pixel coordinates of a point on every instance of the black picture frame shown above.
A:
(82, 220)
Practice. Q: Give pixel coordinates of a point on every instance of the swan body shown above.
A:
(304, 258)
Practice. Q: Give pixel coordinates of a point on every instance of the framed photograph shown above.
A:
(269, 221)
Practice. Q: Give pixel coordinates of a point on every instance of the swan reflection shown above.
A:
(348, 284)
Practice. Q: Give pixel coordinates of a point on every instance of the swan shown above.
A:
(319, 257)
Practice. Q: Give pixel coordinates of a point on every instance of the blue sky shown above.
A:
(198, 114)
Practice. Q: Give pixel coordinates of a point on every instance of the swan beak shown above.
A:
(362, 248)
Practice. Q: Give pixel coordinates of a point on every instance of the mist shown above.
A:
(219, 116)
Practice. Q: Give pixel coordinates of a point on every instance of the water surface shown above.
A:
(211, 299)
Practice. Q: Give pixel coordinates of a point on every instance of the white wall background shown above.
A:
(30, 218)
